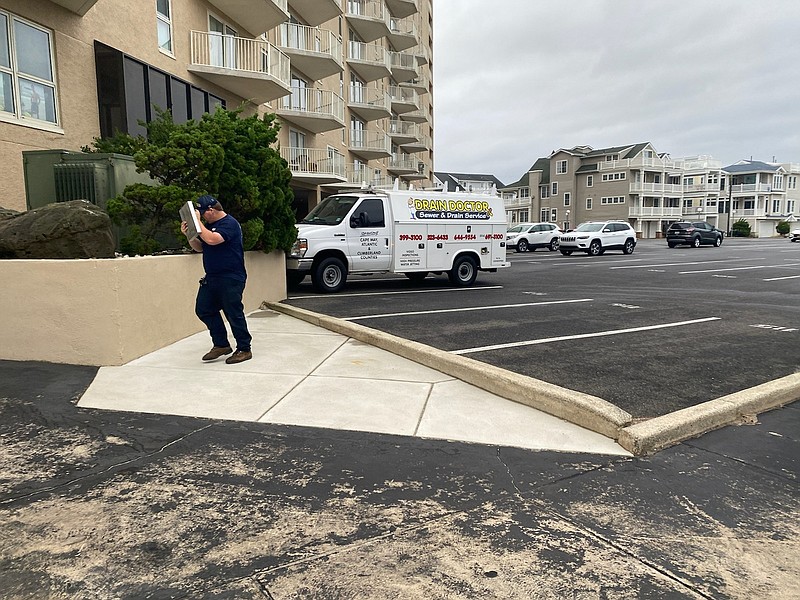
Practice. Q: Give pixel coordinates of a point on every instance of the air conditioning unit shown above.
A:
(81, 181)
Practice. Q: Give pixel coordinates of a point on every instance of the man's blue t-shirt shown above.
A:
(225, 259)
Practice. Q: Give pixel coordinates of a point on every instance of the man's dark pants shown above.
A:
(223, 294)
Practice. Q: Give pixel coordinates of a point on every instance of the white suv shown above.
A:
(595, 237)
(530, 236)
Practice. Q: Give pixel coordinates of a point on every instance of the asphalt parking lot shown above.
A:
(653, 332)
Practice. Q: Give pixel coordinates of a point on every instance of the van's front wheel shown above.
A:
(464, 271)
(329, 275)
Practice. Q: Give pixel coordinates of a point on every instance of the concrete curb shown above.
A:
(585, 410)
(658, 433)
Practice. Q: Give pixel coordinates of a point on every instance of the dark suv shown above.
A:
(694, 234)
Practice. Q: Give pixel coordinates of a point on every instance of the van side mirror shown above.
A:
(362, 220)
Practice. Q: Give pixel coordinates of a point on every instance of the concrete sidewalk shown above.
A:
(303, 374)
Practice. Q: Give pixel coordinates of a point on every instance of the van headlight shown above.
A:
(299, 248)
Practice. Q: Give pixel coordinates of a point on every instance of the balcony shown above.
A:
(313, 166)
(750, 188)
(313, 51)
(369, 61)
(656, 188)
(79, 7)
(368, 19)
(701, 188)
(402, 8)
(404, 66)
(369, 144)
(259, 16)
(421, 115)
(370, 104)
(421, 83)
(517, 202)
(660, 212)
(403, 164)
(252, 69)
(317, 12)
(421, 144)
(316, 111)
(402, 34)
(404, 100)
(403, 132)
(638, 162)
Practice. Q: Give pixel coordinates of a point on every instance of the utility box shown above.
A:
(63, 175)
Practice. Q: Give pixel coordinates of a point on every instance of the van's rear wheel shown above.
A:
(464, 271)
(329, 275)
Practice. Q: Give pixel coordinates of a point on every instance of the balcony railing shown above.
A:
(655, 211)
(656, 188)
(312, 109)
(253, 69)
(400, 164)
(369, 103)
(403, 65)
(402, 129)
(700, 187)
(403, 99)
(368, 18)
(314, 162)
(403, 33)
(754, 187)
(314, 51)
(747, 212)
(360, 174)
(370, 61)
(372, 144)
(517, 202)
(421, 83)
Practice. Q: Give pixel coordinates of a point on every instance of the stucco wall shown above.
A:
(111, 311)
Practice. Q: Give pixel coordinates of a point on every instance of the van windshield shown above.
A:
(330, 211)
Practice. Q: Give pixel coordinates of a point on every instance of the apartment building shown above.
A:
(350, 80)
(467, 182)
(634, 183)
(763, 194)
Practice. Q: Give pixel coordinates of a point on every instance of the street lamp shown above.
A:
(566, 223)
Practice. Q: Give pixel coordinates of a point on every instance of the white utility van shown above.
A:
(414, 232)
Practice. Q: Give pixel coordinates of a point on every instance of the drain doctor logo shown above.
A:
(467, 210)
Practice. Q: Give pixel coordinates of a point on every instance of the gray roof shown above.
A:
(541, 164)
(751, 166)
(454, 179)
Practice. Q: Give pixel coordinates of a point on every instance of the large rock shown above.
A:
(76, 229)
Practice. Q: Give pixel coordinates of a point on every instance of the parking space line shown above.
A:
(680, 264)
(738, 269)
(468, 289)
(473, 308)
(779, 278)
(582, 336)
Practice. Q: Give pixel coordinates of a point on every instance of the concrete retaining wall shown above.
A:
(110, 311)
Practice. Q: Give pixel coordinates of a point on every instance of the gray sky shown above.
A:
(516, 79)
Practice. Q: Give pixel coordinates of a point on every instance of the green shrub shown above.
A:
(230, 157)
(782, 227)
(740, 228)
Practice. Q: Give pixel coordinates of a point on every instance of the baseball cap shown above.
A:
(205, 202)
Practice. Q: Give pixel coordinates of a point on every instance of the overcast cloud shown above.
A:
(516, 79)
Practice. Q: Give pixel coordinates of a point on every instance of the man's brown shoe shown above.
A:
(216, 352)
(239, 356)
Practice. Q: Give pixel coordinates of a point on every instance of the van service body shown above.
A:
(414, 232)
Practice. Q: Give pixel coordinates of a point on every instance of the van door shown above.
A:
(368, 236)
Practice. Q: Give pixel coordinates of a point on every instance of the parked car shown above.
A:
(530, 236)
(694, 233)
(595, 237)
(794, 236)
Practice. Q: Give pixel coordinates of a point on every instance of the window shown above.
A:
(648, 153)
(524, 192)
(791, 182)
(589, 180)
(612, 200)
(776, 205)
(567, 198)
(561, 167)
(554, 215)
(544, 191)
(790, 207)
(554, 191)
(27, 77)
(613, 176)
(543, 214)
(164, 25)
(610, 157)
(588, 204)
(777, 182)
(372, 209)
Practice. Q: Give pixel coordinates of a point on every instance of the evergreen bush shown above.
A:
(222, 154)
(782, 227)
(741, 228)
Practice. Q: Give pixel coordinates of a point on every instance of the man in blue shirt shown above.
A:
(221, 289)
